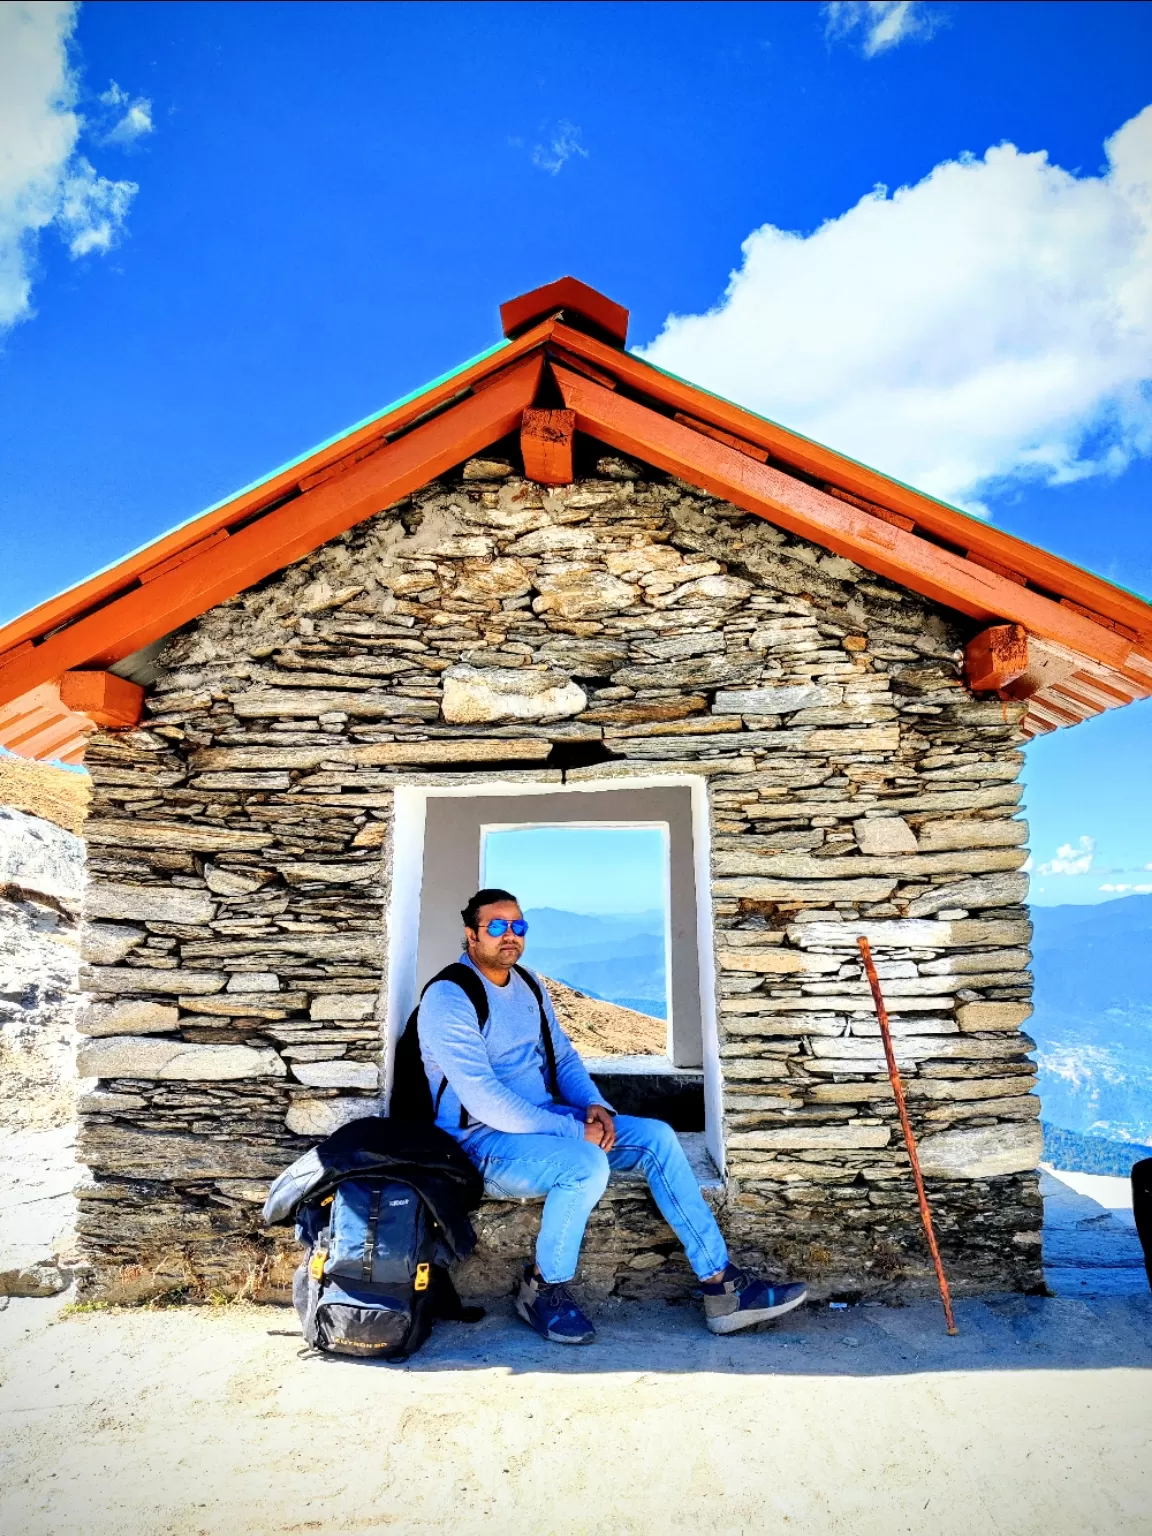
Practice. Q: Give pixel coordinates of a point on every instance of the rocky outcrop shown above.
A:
(38, 856)
(41, 882)
(622, 627)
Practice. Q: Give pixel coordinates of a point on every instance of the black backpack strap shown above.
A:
(464, 977)
(370, 1231)
(546, 1040)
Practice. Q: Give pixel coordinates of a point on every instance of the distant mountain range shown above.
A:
(1074, 1153)
(1093, 1019)
(617, 957)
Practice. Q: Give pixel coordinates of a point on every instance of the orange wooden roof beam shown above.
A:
(96, 589)
(566, 295)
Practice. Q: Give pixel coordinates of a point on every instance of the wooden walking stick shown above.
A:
(905, 1124)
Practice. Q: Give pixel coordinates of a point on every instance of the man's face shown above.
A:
(502, 951)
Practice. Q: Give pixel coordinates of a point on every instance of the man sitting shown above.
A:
(491, 1094)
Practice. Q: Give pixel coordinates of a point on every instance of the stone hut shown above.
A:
(560, 584)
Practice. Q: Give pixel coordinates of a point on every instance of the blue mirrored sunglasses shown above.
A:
(500, 925)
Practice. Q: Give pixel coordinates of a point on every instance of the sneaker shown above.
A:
(551, 1310)
(739, 1299)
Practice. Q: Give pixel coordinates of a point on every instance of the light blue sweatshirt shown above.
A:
(499, 1076)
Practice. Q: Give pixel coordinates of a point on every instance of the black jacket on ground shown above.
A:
(422, 1156)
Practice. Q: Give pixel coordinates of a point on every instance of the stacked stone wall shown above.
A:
(626, 625)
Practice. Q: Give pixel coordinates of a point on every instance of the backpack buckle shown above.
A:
(423, 1274)
(317, 1262)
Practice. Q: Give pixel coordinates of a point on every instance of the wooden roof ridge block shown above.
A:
(546, 439)
(109, 701)
(581, 306)
(996, 657)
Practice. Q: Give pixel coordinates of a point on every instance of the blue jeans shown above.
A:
(573, 1174)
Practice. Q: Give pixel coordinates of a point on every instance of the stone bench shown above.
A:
(629, 1250)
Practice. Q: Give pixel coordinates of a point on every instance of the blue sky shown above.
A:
(596, 870)
(243, 227)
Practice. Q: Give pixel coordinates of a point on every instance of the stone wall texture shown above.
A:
(625, 625)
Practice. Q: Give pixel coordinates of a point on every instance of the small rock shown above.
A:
(983, 1152)
(142, 1057)
(884, 834)
(486, 469)
(974, 1018)
(320, 1117)
(337, 1074)
(646, 1261)
(343, 1007)
(44, 1279)
(129, 1018)
(774, 701)
(374, 835)
(148, 904)
(617, 469)
(108, 943)
(472, 696)
(253, 981)
(233, 882)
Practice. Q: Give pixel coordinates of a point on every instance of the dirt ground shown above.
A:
(1034, 1422)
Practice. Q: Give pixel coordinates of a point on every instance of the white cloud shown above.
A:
(1071, 859)
(133, 116)
(991, 323)
(1137, 890)
(563, 143)
(92, 209)
(884, 23)
(44, 182)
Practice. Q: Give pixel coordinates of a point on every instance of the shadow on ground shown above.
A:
(1099, 1316)
(1009, 1333)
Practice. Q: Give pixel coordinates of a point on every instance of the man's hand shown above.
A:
(597, 1118)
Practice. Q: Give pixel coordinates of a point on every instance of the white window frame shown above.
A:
(410, 812)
